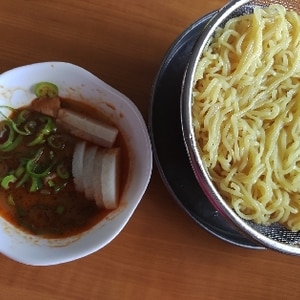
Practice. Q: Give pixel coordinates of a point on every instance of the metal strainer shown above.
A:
(275, 236)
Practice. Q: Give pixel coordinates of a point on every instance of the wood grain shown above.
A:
(161, 253)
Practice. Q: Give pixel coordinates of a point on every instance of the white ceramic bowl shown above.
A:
(78, 84)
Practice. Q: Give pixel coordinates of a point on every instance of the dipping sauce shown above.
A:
(37, 192)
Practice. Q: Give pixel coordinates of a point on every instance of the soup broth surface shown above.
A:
(56, 210)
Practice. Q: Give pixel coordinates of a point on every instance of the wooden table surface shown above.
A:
(161, 253)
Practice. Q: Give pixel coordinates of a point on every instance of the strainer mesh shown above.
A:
(248, 8)
(289, 4)
(278, 233)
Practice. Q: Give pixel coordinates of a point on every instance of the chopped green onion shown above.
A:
(35, 166)
(23, 116)
(46, 89)
(51, 183)
(36, 184)
(60, 209)
(62, 171)
(46, 130)
(14, 144)
(10, 200)
(13, 124)
(20, 171)
(6, 129)
(56, 141)
(30, 126)
(38, 169)
(5, 182)
(23, 180)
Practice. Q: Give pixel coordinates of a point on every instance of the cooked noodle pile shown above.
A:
(246, 114)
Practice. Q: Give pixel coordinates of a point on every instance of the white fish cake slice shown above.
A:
(107, 172)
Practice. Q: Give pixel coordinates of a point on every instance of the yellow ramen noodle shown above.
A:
(246, 114)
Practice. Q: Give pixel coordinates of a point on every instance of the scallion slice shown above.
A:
(46, 89)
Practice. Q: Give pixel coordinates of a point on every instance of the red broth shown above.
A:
(56, 214)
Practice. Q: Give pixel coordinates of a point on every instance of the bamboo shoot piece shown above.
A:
(96, 173)
(107, 177)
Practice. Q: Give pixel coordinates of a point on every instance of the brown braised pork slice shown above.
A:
(47, 106)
